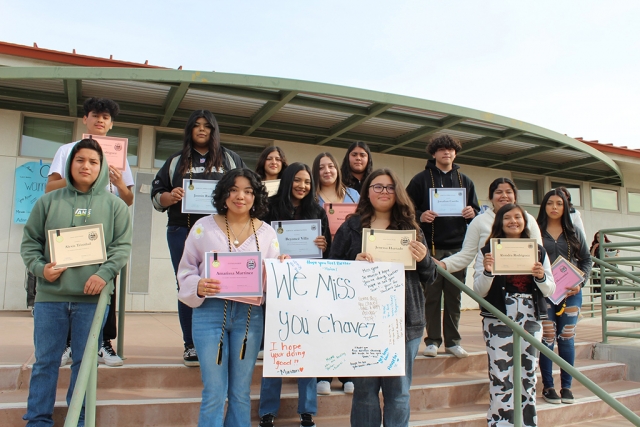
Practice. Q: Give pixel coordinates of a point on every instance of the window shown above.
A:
(132, 135)
(528, 193)
(574, 190)
(602, 198)
(634, 202)
(169, 143)
(42, 137)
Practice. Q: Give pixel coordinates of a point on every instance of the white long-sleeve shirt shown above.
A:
(477, 233)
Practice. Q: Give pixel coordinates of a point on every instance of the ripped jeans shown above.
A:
(562, 329)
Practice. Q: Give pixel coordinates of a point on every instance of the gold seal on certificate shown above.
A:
(514, 256)
(77, 246)
(114, 149)
(389, 246)
(447, 201)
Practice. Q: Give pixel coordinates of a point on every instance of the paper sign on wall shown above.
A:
(328, 318)
(31, 179)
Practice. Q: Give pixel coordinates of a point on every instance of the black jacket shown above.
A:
(347, 244)
(168, 178)
(449, 231)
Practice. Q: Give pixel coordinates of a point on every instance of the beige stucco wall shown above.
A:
(162, 290)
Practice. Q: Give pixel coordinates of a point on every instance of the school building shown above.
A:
(41, 96)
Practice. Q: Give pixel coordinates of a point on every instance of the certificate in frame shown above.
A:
(389, 246)
(296, 237)
(448, 201)
(240, 273)
(114, 149)
(513, 256)
(198, 196)
(272, 186)
(77, 246)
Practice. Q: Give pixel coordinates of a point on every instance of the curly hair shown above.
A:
(263, 159)
(403, 215)
(223, 189)
(100, 105)
(497, 230)
(443, 141)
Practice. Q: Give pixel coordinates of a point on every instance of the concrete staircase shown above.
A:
(446, 392)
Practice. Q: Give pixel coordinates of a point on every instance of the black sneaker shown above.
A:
(190, 356)
(551, 396)
(306, 420)
(567, 396)
(267, 420)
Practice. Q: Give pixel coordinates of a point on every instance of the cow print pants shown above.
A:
(499, 341)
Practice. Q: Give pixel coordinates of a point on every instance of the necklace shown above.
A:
(236, 242)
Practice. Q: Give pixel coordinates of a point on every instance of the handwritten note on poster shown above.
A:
(328, 318)
(31, 179)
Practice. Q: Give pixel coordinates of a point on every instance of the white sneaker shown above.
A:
(66, 357)
(457, 351)
(108, 356)
(323, 387)
(348, 387)
(261, 355)
(430, 351)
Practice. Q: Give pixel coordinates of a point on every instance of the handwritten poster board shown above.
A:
(329, 318)
(31, 179)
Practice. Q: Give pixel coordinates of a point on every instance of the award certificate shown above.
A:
(77, 246)
(272, 186)
(566, 276)
(114, 149)
(240, 273)
(389, 246)
(198, 196)
(448, 201)
(296, 237)
(337, 213)
(514, 256)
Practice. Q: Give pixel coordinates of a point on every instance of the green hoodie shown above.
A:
(69, 207)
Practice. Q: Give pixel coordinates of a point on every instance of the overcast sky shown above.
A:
(570, 66)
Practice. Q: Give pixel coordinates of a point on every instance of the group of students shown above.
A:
(223, 336)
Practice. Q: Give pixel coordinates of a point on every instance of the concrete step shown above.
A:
(156, 399)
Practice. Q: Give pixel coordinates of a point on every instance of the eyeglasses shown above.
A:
(377, 188)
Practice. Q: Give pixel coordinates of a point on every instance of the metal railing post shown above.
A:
(122, 293)
(517, 380)
(92, 387)
(89, 362)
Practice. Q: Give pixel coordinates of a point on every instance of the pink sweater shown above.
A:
(206, 236)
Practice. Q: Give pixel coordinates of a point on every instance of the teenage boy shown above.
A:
(444, 237)
(356, 165)
(99, 114)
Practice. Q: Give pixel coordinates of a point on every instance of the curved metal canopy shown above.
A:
(307, 112)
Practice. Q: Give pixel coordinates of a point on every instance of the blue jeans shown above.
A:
(176, 237)
(51, 324)
(365, 407)
(270, 389)
(563, 330)
(232, 378)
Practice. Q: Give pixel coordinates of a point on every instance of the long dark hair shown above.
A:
(214, 156)
(281, 207)
(497, 231)
(339, 186)
(567, 225)
(222, 191)
(596, 240)
(348, 179)
(263, 159)
(403, 215)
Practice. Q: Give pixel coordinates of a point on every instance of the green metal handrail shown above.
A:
(86, 383)
(518, 332)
